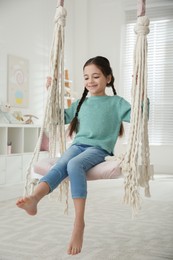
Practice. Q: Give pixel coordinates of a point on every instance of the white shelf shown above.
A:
(15, 139)
(13, 165)
(22, 138)
(3, 140)
(30, 139)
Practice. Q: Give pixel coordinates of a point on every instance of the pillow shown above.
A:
(44, 143)
(43, 166)
(104, 170)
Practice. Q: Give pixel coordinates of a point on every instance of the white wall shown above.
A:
(25, 33)
(26, 29)
(94, 27)
(97, 25)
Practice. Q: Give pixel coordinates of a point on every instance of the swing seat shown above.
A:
(104, 170)
(110, 169)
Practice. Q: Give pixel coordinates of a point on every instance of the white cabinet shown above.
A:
(15, 139)
(2, 170)
(13, 169)
(17, 144)
(3, 140)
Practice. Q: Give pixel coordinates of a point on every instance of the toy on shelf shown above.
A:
(18, 115)
(29, 120)
(5, 114)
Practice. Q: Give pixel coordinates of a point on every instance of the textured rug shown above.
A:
(110, 234)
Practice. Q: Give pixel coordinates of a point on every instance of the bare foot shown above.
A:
(76, 242)
(29, 204)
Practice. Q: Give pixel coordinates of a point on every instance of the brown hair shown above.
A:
(103, 64)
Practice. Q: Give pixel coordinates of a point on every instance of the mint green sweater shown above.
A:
(100, 118)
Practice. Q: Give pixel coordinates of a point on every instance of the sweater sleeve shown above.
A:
(125, 110)
(69, 113)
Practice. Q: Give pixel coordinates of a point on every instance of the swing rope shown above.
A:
(136, 166)
(53, 122)
(55, 112)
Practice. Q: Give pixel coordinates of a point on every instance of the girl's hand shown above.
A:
(48, 82)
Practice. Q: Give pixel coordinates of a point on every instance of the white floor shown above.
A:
(110, 234)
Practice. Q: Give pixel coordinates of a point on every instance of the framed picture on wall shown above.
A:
(18, 84)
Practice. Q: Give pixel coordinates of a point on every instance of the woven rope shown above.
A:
(136, 176)
(53, 121)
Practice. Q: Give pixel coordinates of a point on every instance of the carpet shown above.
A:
(110, 234)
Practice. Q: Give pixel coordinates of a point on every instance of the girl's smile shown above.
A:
(95, 81)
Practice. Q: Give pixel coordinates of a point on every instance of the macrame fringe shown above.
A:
(53, 122)
(138, 144)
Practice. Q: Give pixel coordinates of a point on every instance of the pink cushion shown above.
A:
(104, 170)
(44, 143)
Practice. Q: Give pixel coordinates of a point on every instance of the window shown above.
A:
(160, 70)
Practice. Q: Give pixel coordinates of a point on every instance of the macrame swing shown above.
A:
(134, 175)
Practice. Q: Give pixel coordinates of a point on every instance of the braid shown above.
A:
(121, 132)
(75, 122)
(114, 90)
(111, 83)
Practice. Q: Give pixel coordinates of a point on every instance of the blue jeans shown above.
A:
(75, 163)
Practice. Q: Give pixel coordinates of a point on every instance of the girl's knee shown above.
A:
(74, 167)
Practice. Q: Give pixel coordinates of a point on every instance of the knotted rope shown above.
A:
(54, 118)
(138, 136)
(53, 121)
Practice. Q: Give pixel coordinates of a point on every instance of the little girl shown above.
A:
(97, 122)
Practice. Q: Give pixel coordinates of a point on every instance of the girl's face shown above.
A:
(95, 81)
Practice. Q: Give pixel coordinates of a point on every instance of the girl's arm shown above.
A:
(69, 113)
(125, 109)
